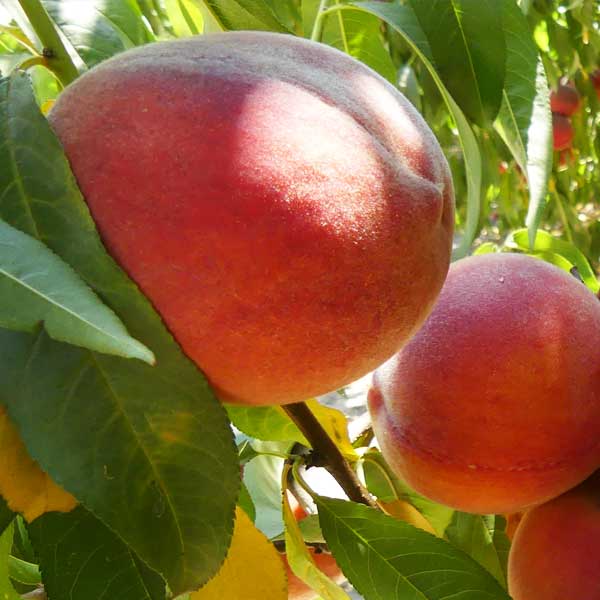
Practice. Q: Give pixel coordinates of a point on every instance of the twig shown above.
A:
(332, 459)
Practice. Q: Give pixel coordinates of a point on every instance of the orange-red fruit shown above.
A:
(564, 100)
(286, 210)
(555, 554)
(298, 590)
(595, 77)
(494, 405)
(562, 132)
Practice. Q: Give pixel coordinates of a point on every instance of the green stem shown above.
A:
(57, 57)
(317, 30)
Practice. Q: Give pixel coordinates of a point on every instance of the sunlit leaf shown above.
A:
(7, 591)
(387, 558)
(36, 286)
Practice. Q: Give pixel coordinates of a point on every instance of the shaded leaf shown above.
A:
(524, 121)
(81, 558)
(246, 504)
(6, 515)
(386, 558)
(501, 542)
(99, 29)
(24, 486)
(473, 534)
(142, 447)
(387, 487)
(36, 286)
(253, 569)
(467, 50)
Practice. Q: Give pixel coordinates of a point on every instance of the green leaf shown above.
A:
(185, 16)
(147, 449)
(7, 591)
(387, 558)
(23, 571)
(501, 542)
(386, 486)
(468, 51)
(81, 558)
(245, 502)
(473, 534)
(269, 423)
(358, 34)
(404, 20)
(6, 515)
(244, 14)
(36, 286)
(300, 561)
(547, 243)
(524, 121)
(99, 29)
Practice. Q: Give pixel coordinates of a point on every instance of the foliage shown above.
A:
(138, 454)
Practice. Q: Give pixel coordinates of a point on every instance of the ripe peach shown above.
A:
(564, 100)
(286, 210)
(555, 553)
(494, 405)
(562, 132)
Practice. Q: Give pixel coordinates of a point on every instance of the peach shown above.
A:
(298, 590)
(564, 100)
(494, 405)
(562, 132)
(555, 554)
(286, 210)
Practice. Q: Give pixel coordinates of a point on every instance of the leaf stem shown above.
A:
(317, 29)
(57, 57)
(325, 448)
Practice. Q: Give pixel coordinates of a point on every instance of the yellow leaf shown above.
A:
(301, 561)
(336, 425)
(24, 486)
(253, 569)
(404, 511)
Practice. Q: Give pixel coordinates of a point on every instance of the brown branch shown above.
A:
(332, 459)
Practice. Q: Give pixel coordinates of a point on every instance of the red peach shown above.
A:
(562, 132)
(286, 210)
(494, 405)
(555, 554)
(564, 100)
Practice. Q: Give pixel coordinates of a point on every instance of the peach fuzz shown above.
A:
(286, 210)
(555, 554)
(494, 405)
